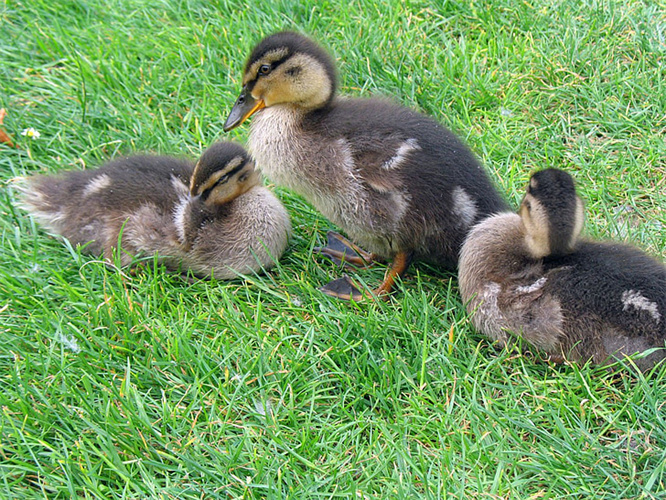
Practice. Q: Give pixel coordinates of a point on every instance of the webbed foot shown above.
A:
(342, 288)
(342, 251)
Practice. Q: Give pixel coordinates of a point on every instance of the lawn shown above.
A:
(143, 385)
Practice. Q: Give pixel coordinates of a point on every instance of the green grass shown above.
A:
(119, 385)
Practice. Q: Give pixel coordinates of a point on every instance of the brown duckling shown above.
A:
(214, 218)
(397, 182)
(530, 275)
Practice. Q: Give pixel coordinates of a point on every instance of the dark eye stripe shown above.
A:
(233, 172)
(273, 65)
(225, 178)
(206, 193)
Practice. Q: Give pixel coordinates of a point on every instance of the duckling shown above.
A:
(531, 275)
(396, 181)
(213, 218)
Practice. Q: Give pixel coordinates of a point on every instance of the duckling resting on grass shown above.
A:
(213, 218)
(396, 181)
(529, 275)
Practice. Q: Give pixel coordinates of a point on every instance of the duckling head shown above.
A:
(284, 69)
(552, 214)
(224, 172)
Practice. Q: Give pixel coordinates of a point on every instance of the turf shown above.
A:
(120, 385)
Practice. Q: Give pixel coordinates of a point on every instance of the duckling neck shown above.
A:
(275, 143)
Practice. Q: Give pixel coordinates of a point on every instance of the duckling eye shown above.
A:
(264, 69)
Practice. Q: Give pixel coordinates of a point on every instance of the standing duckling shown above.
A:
(399, 183)
(529, 275)
(213, 218)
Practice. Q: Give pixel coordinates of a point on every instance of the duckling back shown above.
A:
(582, 300)
(614, 301)
(145, 201)
(89, 207)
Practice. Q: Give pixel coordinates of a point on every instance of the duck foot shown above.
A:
(344, 288)
(342, 251)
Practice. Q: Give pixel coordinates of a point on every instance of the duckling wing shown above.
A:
(621, 285)
(136, 180)
(150, 230)
(379, 135)
(532, 312)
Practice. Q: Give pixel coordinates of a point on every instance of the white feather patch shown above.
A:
(180, 187)
(632, 298)
(405, 148)
(537, 285)
(97, 184)
(488, 298)
(464, 206)
(179, 214)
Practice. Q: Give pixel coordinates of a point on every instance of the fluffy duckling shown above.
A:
(529, 275)
(213, 218)
(397, 182)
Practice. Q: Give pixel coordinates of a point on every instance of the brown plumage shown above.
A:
(214, 218)
(530, 275)
(397, 182)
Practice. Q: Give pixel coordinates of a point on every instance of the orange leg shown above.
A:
(344, 288)
(398, 267)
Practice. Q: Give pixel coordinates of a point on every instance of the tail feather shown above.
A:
(43, 200)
